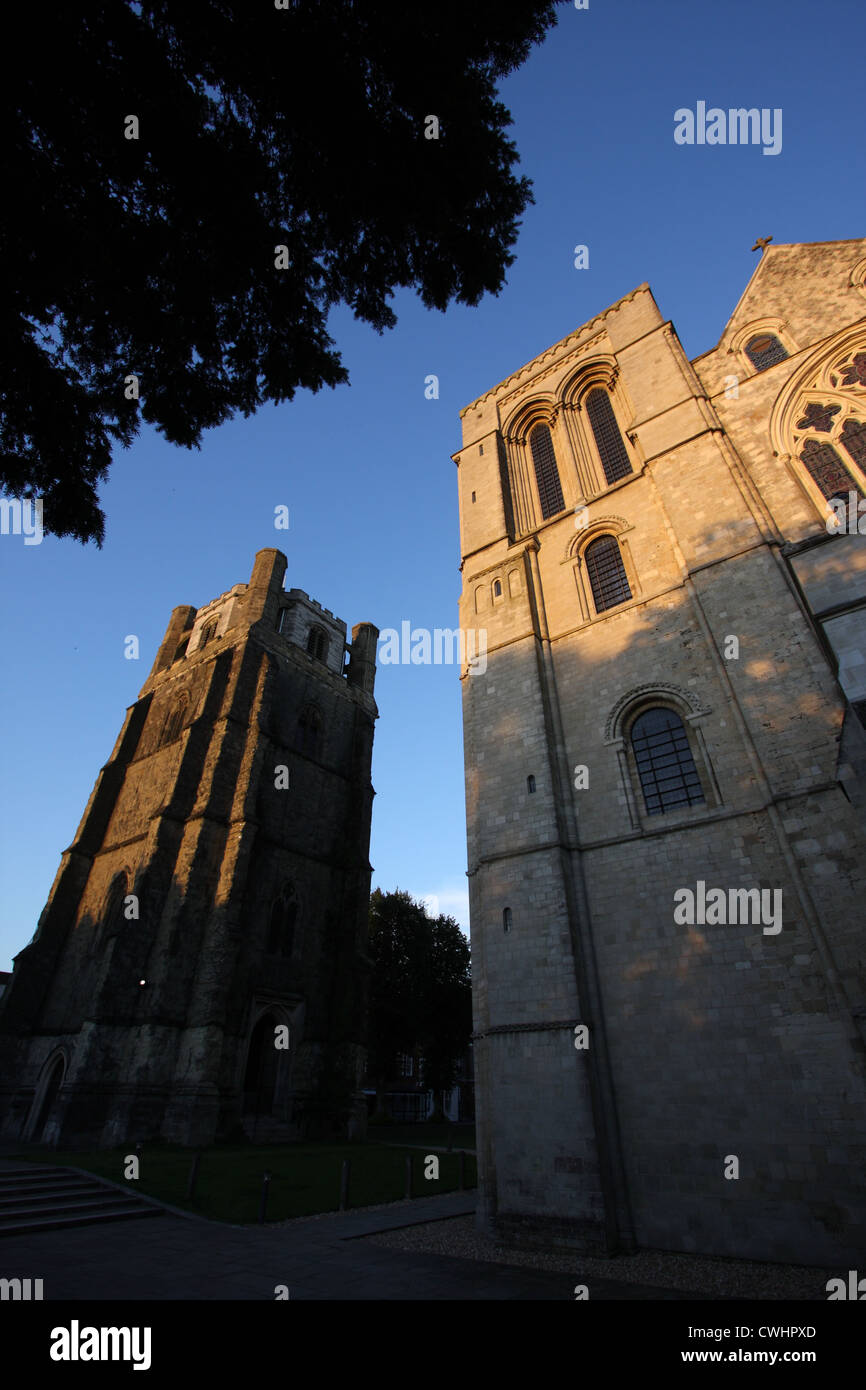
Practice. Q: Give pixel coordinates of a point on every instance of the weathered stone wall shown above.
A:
(708, 1040)
(154, 1011)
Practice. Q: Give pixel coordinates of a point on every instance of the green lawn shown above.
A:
(460, 1136)
(305, 1178)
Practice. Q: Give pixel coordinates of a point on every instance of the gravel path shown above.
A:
(726, 1278)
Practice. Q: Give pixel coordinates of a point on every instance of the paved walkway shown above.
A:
(179, 1257)
(175, 1258)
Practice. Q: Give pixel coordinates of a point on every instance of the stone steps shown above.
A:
(48, 1199)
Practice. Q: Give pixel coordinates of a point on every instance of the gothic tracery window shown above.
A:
(825, 467)
(608, 439)
(853, 437)
(607, 577)
(829, 428)
(546, 472)
(818, 416)
(854, 373)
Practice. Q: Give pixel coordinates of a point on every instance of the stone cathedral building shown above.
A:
(666, 776)
(217, 888)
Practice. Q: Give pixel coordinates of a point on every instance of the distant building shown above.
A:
(408, 1099)
(666, 775)
(216, 893)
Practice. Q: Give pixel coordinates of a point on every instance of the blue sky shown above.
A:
(366, 470)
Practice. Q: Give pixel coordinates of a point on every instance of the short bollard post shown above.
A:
(193, 1174)
(408, 1175)
(462, 1169)
(344, 1184)
(263, 1204)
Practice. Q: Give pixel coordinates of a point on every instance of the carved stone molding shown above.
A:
(694, 706)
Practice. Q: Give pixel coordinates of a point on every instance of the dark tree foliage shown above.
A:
(420, 989)
(259, 126)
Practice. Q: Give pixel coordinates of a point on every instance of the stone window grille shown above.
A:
(666, 768)
(608, 439)
(765, 350)
(606, 571)
(546, 472)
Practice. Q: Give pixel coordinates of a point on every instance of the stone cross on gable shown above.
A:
(762, 243)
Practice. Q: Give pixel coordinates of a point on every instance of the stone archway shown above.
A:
(261, 1072)
(42, 1105)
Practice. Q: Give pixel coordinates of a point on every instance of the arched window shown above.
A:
(765, 350)
(309, 733)
(208, 632)
(530, 783)
(665, 766)
(853, 437)
(825, 467)
(180, 651)
(174, 721)
(608, 440)
(497, 588)
(606, 571)
(281, 928)
(546, 472)
(506, 919)
(114, 899)
(111, 918)
(317, 643)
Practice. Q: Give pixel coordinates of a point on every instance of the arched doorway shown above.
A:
(260, 1077)
(52, 1085)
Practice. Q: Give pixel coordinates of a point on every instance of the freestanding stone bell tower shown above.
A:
(217, 888)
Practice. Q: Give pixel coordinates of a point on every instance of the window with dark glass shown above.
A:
(506, 919)
(765, 350)
(174, 722)
(608, 440)
(546, 472)
(530, 783)
(853, 437)
(317, 643)
(666, 768)
(607, 576)
(112, 918)
(825, 467)
(281, 929)
(309, 732)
